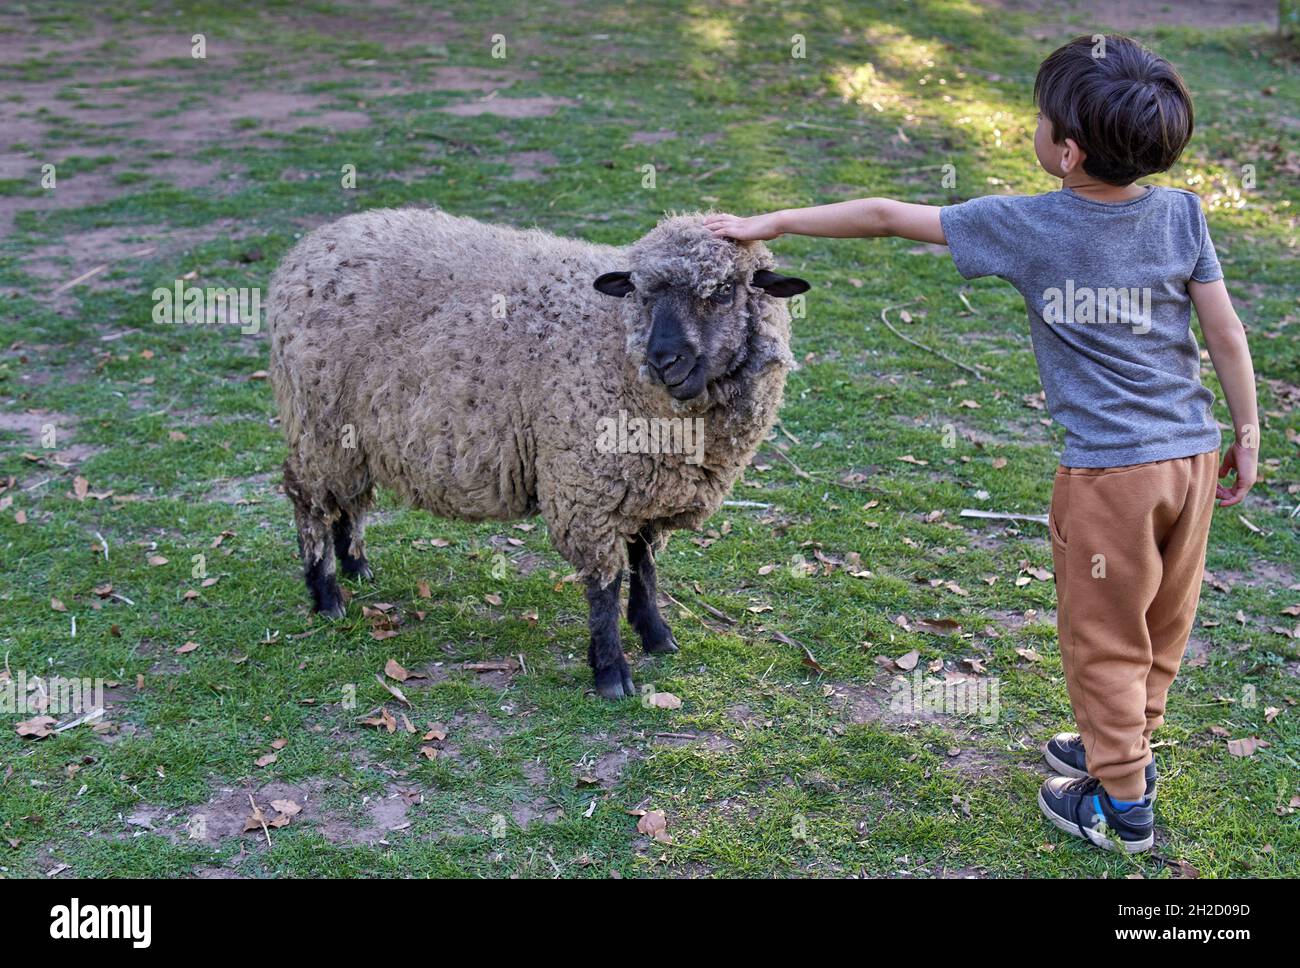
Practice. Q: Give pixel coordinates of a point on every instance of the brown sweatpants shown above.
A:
(1129, 550)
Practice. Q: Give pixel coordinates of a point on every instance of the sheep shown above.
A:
(484, 373)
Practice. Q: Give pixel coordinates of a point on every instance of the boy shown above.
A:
(1110, 271)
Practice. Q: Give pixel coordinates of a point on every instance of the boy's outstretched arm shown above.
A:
(1225, 340)
(862, 218)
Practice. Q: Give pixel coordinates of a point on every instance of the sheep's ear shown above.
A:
(778, 285)
(615, 284)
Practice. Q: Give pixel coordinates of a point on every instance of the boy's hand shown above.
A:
(1246, 463)
(756, 228)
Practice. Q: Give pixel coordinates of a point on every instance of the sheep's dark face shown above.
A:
(696, 302)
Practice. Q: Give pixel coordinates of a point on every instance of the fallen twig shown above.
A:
(88, 717)
(808, 658)
(260, 819)
(81, 278)
(1000, 516)
(797, 469)
(884, 318)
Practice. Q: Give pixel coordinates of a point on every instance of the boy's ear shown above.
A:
(1073, 156)
(615, 284)
(775, 284)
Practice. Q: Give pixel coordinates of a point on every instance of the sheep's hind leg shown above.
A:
(642, 597)
(315, 545)
(318, 563)
(613, 678)
(349, 545)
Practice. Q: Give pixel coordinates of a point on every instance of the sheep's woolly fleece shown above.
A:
(470, 366)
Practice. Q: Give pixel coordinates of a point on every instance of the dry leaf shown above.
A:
(57, 605)
(264, 761)
(908, 662)
(938, 626)
(384, 720)
(256, 820)
(38, 727)
(393, 691)
(187, 648)
(1248, 746)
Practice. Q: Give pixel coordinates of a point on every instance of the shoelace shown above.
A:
(1085, 788)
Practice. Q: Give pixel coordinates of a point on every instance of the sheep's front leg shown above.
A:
(643, 597)
(613, 678)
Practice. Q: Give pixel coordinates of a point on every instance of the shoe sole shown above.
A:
(1093, 836)
(1074, 773)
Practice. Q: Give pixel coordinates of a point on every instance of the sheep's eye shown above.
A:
(724, 294)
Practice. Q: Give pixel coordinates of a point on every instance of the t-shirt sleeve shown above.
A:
(982, 235)
(1207, 267)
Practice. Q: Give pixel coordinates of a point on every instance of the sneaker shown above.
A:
(1082, 808)
(1064, 754)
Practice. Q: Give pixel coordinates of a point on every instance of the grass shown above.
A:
(793, 771)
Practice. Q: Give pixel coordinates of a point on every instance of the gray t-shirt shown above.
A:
(1109, 313)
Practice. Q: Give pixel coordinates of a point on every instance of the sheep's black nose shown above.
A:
(661, 359)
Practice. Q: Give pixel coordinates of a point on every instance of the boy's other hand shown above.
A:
(1246, 463)
(756, 228)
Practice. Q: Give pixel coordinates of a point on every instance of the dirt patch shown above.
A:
(1015, 620)
(453, 78)
(387, 814)
(975, 764)
(224, 816)
(651, 137)
(32, 426)
(79, 252)
(948, 699)
(1145, 14)
(745, 717)
(713, 742)
(606, 769)
(542, 106)
(1263, 574)
(468, 729)
(245, 490)
(529, 165)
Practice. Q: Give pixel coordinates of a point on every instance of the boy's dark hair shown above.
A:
(1125, 107)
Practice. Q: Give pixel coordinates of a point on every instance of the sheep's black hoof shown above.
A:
(615, 682)
(660, 642)
(336, 609)
(356, 568)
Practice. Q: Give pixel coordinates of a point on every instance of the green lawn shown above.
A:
(171, 167)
